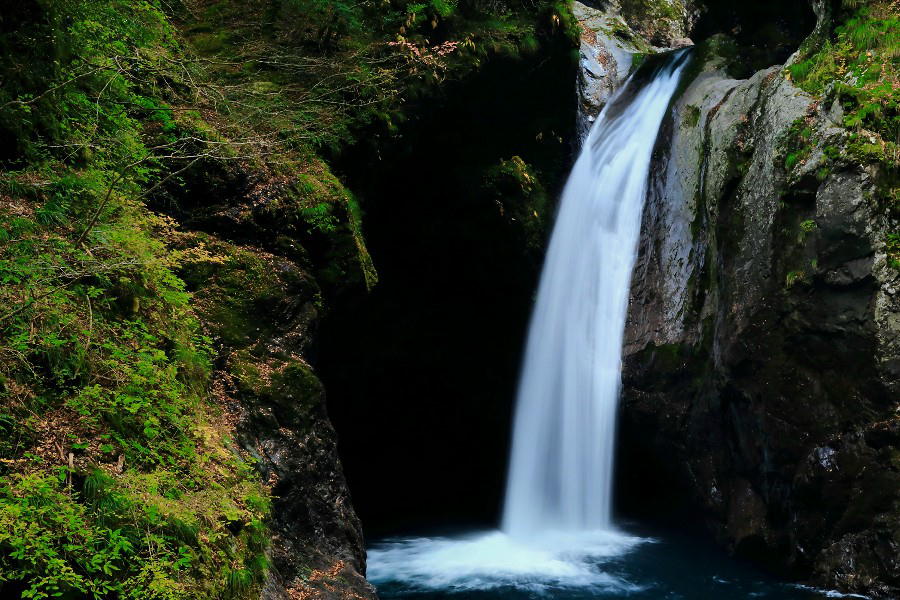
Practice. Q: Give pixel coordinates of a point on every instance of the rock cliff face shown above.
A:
(761, 362)
(614, 36)
(263, 309)
(260, 307)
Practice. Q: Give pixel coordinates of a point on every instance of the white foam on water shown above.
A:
(830, 593)
(493, 559)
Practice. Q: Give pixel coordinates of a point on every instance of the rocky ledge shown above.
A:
(615, 36)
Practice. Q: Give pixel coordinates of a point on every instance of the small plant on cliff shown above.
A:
(806, 227)
(692, 116)
(794, 277)
(860, 66)
(893, 249)
(798, 142)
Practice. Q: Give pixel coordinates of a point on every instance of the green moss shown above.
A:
(233, 286)
(325, 205)
(285, 383)
(516, 189)
(616, 27)
(208, 43)
(651, 9)
(857, 65)
(653, 18)
(692, 116)
(668, 357)
(637, 59)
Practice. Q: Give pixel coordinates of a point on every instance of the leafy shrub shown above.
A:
(116, 480)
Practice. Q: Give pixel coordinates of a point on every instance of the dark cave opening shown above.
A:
(421, 372)
(766, 33)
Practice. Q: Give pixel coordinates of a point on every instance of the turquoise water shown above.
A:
(632, 564)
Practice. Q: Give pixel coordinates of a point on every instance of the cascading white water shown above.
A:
(560, 475)
(556, 522)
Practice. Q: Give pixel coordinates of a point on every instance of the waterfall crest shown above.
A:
(560, 475)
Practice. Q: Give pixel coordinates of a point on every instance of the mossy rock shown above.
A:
(208, 43)
(659, 21)
(244, 294)
(286, 385)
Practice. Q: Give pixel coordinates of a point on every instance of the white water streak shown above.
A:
(557, 529)
(560, 475)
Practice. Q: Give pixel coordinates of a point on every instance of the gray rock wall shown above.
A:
(612, 41)
(762, 341)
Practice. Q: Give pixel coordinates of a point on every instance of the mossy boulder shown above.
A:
(261, 311)
(298, 209)
(660, 22)
(286, 386)
(246, 294)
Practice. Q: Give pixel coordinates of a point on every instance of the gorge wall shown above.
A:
(761, 362)
(761, 359)
(183, 259)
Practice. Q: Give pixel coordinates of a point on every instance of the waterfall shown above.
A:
(556, 522)
(560, 475)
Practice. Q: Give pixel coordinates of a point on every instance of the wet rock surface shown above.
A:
(615, 35)
(761, 349)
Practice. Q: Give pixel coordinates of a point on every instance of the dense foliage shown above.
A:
(118, 477)
(858, 65)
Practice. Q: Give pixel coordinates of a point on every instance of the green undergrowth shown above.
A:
(318, 72)
(521, 197)
(858, 65)
(118, 475)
